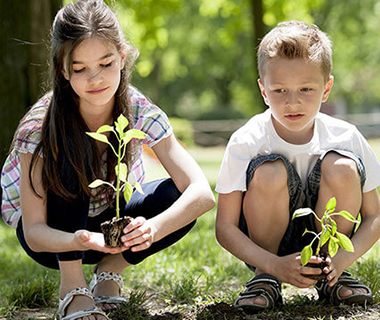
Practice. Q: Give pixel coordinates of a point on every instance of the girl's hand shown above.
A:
(290, 270)
(139, 234)
(87, 240)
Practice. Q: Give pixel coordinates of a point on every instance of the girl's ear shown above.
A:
(263, 92)
(65, 74)
(123, 54)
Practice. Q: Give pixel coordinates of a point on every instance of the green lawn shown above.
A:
(195, 272)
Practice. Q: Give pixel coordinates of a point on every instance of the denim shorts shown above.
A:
(293, 241)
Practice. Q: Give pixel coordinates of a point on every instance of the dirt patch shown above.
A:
(223, 311)
(31, 314)
(219, 311)
(300, 304)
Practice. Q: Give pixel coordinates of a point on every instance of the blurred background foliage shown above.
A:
(197, 57)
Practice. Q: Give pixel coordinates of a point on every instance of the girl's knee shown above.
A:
(339, 170)
(270, 176)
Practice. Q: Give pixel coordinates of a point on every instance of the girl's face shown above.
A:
(95, 75)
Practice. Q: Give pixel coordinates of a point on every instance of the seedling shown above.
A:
(329, 234)
(121, 169)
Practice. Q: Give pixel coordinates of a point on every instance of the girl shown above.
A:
(46, 176)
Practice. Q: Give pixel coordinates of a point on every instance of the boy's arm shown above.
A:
(232, 238)
(287, 268)
(364, 238)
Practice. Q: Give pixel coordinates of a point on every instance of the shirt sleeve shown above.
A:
(232, 174)
(150, 119)
(370, 161)
(27, 138)
(29, 133)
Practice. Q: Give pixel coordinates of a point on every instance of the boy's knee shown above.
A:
(270, 176)
(337, 169)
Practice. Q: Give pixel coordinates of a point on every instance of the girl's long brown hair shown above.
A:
(64, 130)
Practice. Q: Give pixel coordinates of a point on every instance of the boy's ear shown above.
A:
(328, 87)
(263, 92)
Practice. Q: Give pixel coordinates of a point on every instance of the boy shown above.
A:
(293, 156)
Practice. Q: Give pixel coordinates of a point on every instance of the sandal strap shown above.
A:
(109, 299)
(321, 286)
(264, 278)
(106, 276)
(63, 303)
(85, 313)
(258, 292)
(272, 295)
(344, 280)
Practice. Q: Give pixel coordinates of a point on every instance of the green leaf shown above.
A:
(133, 134)
(96, 183)
(325, 237)
(334, 227)
(121, 123)
(348, 216)
(302, 212)
(123, 172)
(128, 190)
(98, 136)
(333, 246)
(306, 254)
(331, 205)
(345, 242)
(138, 187)
(105, 128)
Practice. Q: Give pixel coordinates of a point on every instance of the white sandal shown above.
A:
(107, 276)
(63, 304)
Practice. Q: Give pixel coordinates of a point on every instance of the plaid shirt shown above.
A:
(147, 118)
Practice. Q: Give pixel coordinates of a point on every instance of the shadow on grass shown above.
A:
(300, 307)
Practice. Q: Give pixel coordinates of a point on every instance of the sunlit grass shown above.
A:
(196, 269)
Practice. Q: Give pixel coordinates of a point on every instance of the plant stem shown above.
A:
(321, 235)
(118, 181)
(319, 245)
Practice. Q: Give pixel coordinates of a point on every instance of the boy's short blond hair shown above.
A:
(296, 39)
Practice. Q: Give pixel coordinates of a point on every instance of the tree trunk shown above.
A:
(24, 28)
(258, 33)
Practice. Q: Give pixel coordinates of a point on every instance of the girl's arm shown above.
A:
(39, 236)
(364, 238)
(196, 199)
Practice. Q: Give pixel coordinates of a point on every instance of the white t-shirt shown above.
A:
(258, 137)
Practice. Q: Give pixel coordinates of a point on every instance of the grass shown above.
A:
(194, 279)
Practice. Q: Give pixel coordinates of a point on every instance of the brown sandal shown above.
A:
(345, 280)
(272, 296)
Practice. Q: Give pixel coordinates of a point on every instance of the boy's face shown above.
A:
(294, 90)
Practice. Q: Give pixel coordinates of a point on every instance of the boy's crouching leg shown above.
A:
(266, 204)
(341, 179)
(266, 212)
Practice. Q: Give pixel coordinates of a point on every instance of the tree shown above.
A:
(23, 52)
(196, 56)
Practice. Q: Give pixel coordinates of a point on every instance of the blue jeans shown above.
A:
(293, 241)
(71, 216)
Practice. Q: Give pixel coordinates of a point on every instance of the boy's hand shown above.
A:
(291, 271)
(333, 272)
